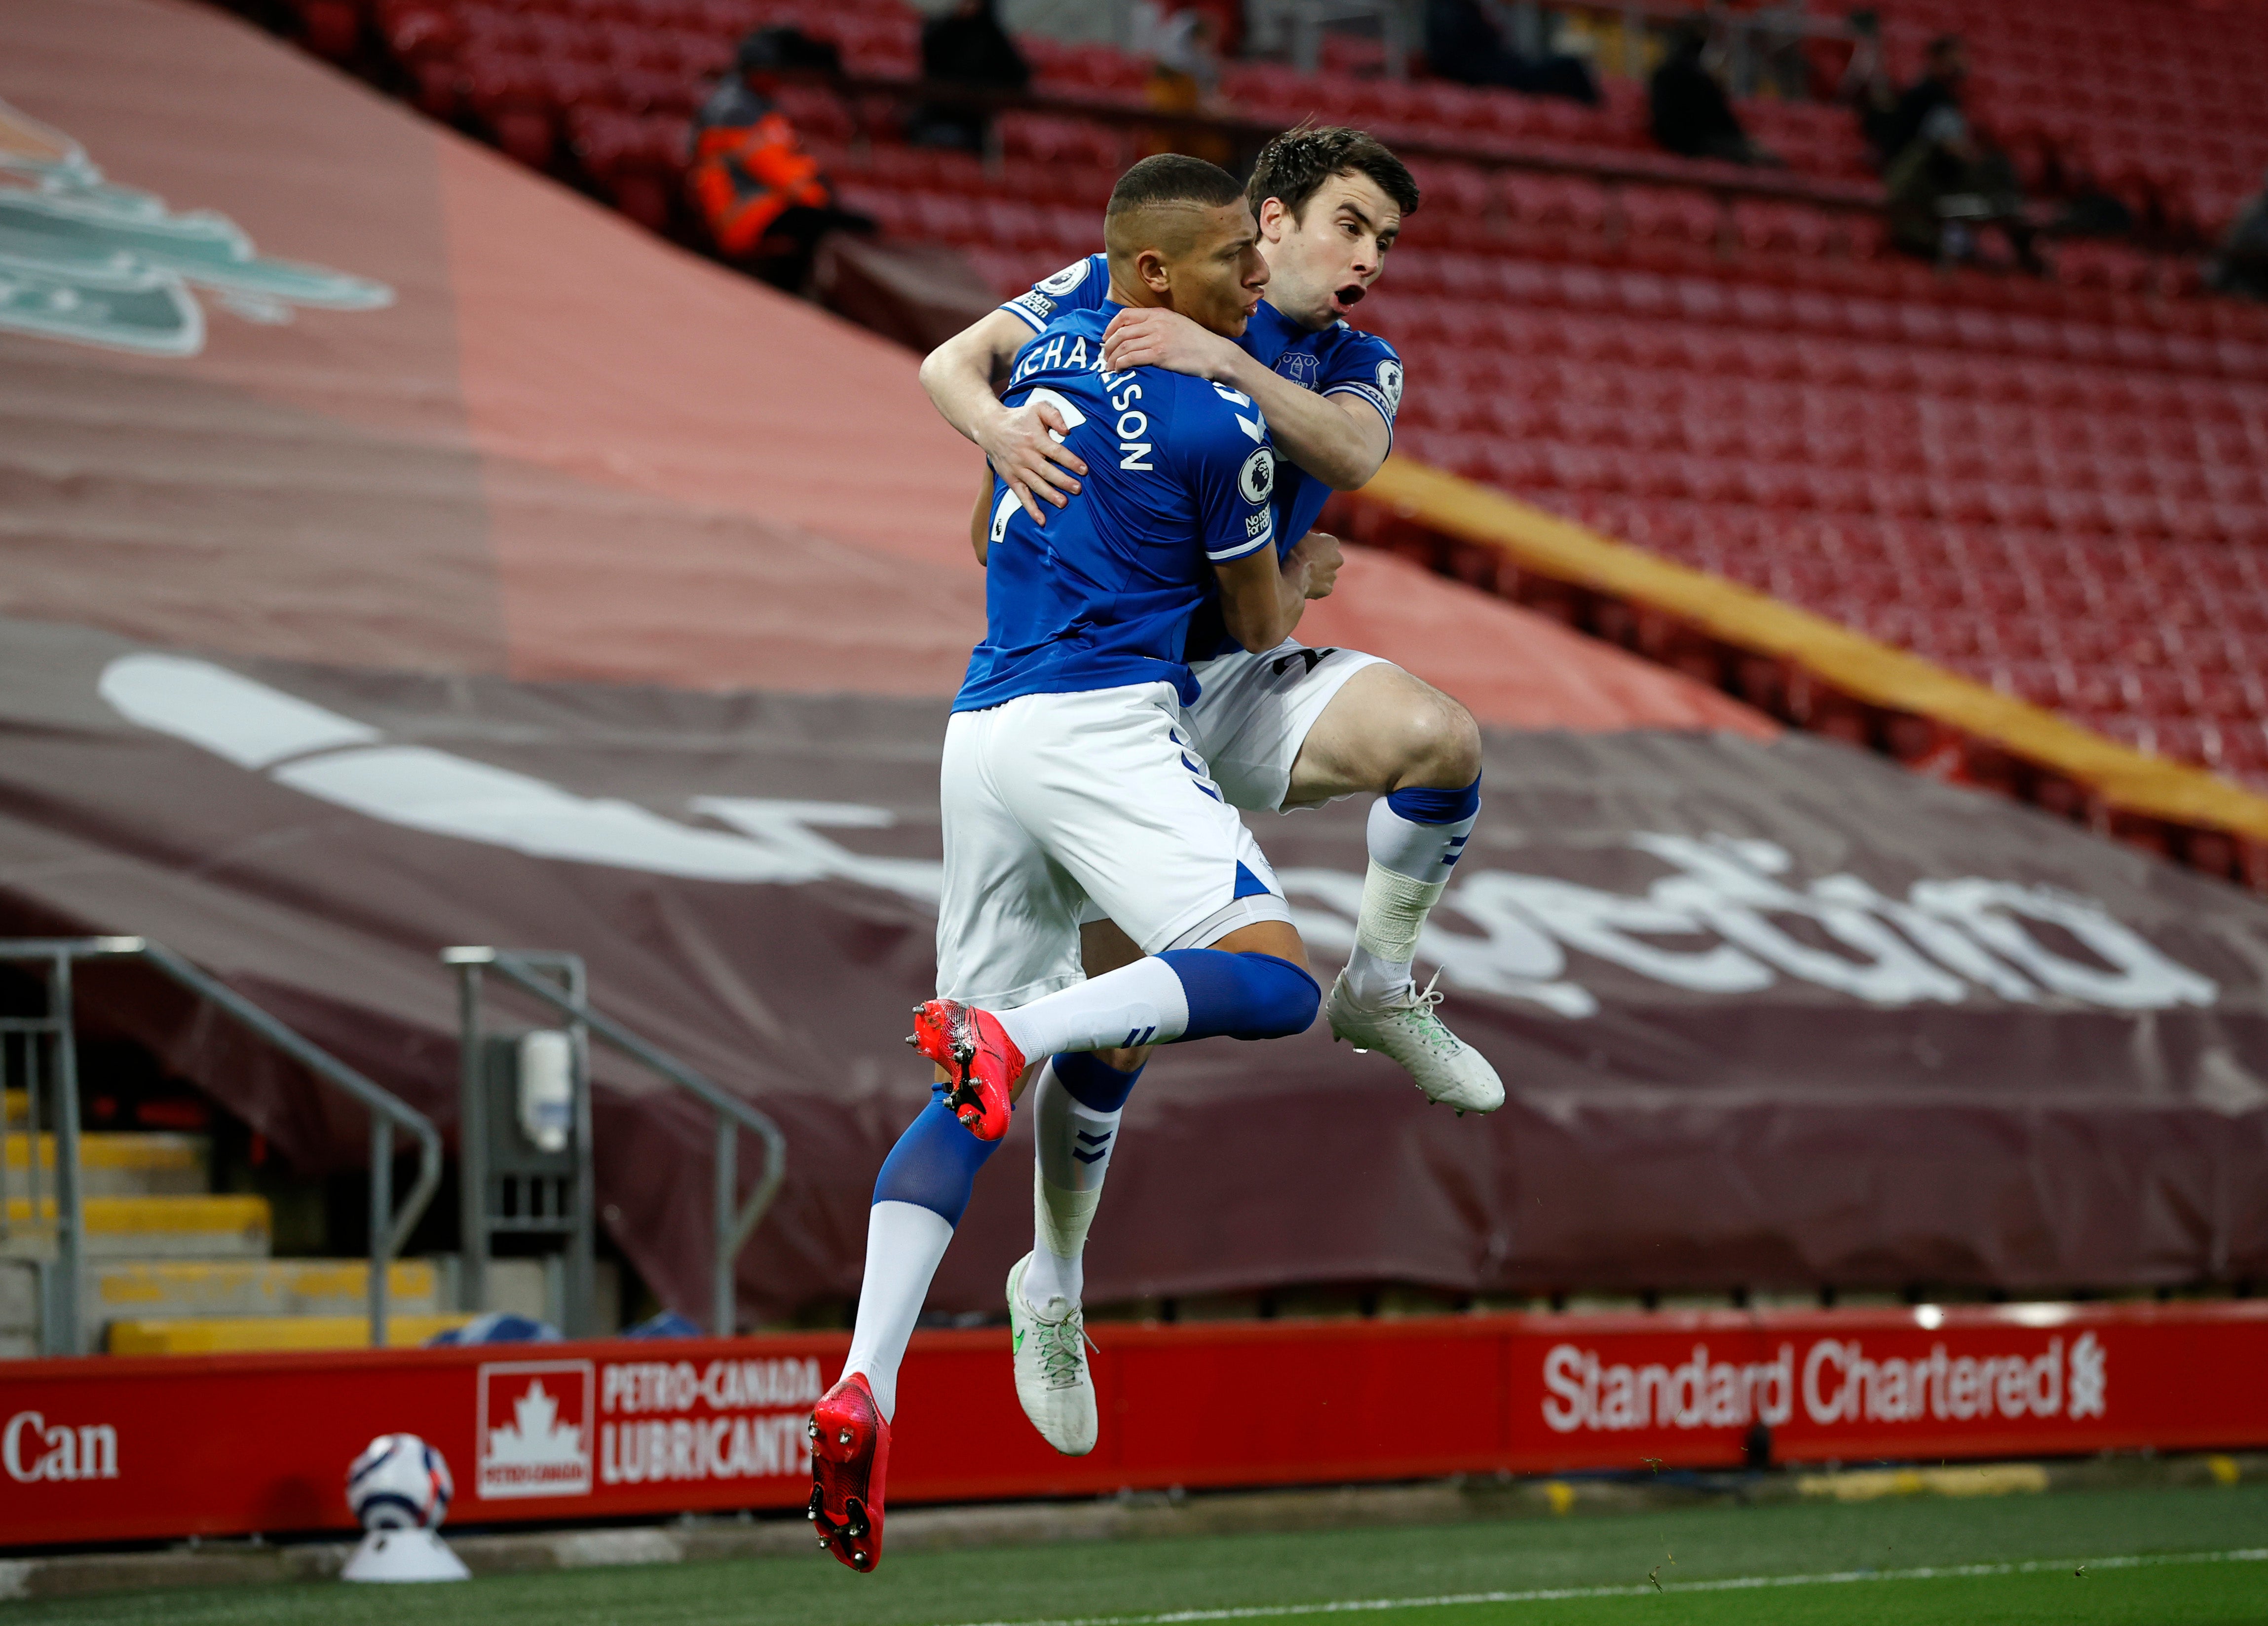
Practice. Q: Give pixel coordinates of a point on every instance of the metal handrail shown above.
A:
(389, 1228)
(735, 1223)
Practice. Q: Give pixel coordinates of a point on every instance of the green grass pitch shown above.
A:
(2149, 1559)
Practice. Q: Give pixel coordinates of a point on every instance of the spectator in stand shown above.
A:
(1466, 43)
(1184, 50)
(765, 201)
(1946, 184)
(1692, 116)
(2241, 264)
(965, 46)
(1183, 47)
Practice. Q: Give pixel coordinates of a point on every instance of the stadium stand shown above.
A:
(2049, 487)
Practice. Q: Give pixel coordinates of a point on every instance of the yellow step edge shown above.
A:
(234, 1335)
(14, 1105)
(151, 1281)
(1848, 661)
(157, 1214)
(145, 1153)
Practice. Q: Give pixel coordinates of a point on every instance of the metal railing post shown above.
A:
(63, 1338)
(472, 1146)
(381, 1223)
(720, 1269)
(733, 1222)
(37, 1060)
(583, 1242)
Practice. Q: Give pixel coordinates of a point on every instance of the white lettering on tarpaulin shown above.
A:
(544, 1447)
(1842, 1383)
(753, 1439)
(1728, 920)
(34, 1449)
(1587, 1393)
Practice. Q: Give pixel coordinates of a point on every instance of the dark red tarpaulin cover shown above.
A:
(401, 551)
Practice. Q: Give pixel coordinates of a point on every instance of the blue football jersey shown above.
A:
(1180, 472)
(1340, 360)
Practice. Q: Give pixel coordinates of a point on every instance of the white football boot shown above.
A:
(1411, 1031)
(1051, 1377)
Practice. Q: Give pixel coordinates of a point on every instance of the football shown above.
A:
(399, 1482)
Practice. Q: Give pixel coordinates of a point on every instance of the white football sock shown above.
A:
(1140, 1004)
(905, 1243)
(1071, 1144)
(1410, 867)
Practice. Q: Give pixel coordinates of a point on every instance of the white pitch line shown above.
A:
(1554, 1594)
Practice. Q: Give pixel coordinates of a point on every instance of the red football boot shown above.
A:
(849, 1457)
(982, 1064)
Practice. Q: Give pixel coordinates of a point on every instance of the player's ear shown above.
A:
(1150, 271)
(1274, 219)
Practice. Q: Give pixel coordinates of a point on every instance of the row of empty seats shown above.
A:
(2054, 486)
(2125, 93)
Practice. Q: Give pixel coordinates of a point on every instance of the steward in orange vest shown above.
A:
(763, 196)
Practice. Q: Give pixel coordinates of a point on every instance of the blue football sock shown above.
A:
(1075, 1116)
(1243, 995)
(1184, 993)
(1415, 838)
(934, 1163)
(919, 1199)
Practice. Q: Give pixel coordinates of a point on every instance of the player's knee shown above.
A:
(1443, 745)
(1284, 998)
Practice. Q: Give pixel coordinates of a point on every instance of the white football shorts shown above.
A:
(1253, 712)
(1059, 807)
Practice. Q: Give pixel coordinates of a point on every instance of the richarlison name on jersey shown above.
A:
(1133, 424)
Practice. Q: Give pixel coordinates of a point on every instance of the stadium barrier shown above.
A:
(136, 1448)
(1808, 670)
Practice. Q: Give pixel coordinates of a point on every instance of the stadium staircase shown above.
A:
(176, 1268)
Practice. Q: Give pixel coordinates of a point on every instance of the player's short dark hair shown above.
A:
(1294, 165)
(1172, 178)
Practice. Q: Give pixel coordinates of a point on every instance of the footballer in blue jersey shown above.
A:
(1105, 595)
(1069, 787)
(1299, 724)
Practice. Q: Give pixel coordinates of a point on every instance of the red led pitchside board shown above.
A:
(122, 1448)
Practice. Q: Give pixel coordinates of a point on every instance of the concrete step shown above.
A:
(152, 1227)
(119, 1164)
(164, 1289)
(218, 1334)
